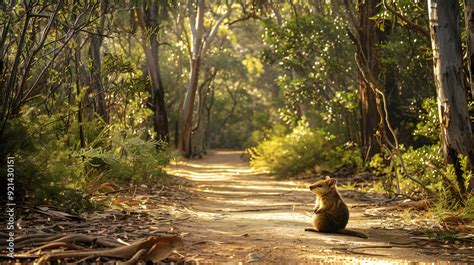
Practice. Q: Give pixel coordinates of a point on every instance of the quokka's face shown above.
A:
(322, 186)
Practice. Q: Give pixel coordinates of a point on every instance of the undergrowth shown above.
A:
(303, 149)
(51, 168)
(436, 180)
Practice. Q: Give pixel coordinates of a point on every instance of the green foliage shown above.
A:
(422, 164)
(51, 169)
(300, 150)
(468, 211)
(127, 158)
(428, 127)
(426, 165)
(446, 207)
(315, 55)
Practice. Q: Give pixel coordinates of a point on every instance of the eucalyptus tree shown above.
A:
(151, 14)
(201, 40)
(456, 132)
(469, 21)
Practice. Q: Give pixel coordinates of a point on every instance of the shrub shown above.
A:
(51, 169)
(128, 158)
(300, 150)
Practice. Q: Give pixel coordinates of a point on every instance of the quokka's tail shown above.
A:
(352, 233)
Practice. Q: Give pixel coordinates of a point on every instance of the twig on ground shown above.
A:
(135, 258)
(56, 245)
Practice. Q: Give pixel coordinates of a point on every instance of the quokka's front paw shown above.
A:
(318, 211)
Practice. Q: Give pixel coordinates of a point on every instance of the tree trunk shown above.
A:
(160, 116)
(208, 132)
(79, 75)
(176, 134)
(469, 19)
(367, 55)
(149, 24)
(188, 108)
(198, 133)
(94, 51)
(456, 135)
(200, 45)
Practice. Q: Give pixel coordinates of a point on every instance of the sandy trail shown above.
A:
(237, 211)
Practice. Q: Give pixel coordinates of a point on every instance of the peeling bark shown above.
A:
(456, 135)
(469, 20)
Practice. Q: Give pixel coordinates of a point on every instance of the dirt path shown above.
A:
(237, 212)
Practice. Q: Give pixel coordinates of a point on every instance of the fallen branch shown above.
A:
(38, 239)
(88, 239)
(58, 214)
(156, 248)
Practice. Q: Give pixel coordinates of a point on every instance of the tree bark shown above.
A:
(150, 24)
(96, 75)
(469, 20)
(198, 133)
(160, 121)
(96, 82)
(196, 23)
(208, 134)
(367, 55)
(79, 75)
(456, 135)
(200, 45)
(188, 107)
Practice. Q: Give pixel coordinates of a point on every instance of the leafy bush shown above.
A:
(425, 164)
(51, 169)
(300, 150)
(421, 163)
(128, 158)
(428, 127)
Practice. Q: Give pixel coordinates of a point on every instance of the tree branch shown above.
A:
(192, 18)
(412, 24)
(244, 18)
(214, 29)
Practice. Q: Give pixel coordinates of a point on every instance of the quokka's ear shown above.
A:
(327, 177)
(332, 182)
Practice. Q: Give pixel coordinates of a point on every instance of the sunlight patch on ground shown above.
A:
(274, 217)
(253, 188)
(207, 215)
(216, 174)
(211, 166)
(256, 202)
(234, 192)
